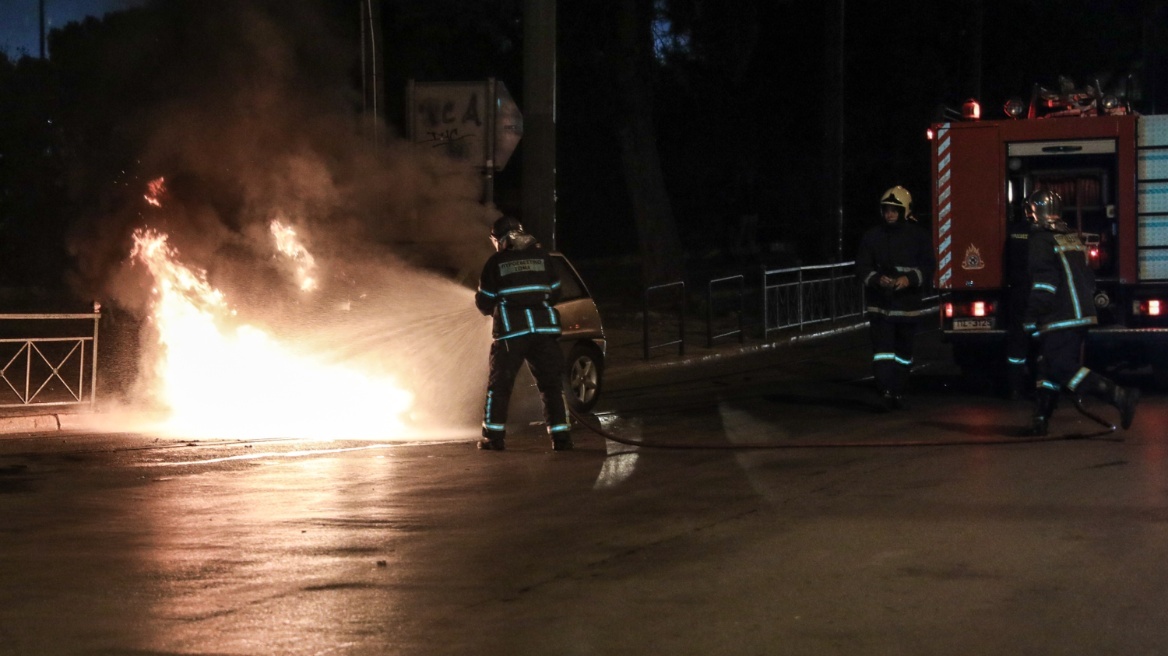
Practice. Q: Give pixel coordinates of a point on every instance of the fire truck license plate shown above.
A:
(973, 324)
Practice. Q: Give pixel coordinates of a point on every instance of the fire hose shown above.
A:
(742, 446)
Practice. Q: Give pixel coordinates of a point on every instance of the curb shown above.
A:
(30, 424)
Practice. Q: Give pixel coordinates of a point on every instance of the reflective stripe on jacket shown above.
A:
(901, 249)
(1062, 286)
(518, 288)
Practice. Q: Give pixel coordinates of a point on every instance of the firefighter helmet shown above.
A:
(1044, 208)
(505, 230)
(898, 197)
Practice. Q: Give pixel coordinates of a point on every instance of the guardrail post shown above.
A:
(766, 317)
(710, 336)
(93, 376)
(799, 288)
(646, 347)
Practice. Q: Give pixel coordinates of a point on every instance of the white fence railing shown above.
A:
(797, 297)
(57, 368)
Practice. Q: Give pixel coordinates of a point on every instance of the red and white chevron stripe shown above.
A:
(944, 208)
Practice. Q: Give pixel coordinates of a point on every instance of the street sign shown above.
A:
(477, 122)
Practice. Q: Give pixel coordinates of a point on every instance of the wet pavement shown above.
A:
(127, 544)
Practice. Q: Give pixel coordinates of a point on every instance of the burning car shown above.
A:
(582, 339)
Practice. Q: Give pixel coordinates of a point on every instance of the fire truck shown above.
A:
(1110, 166)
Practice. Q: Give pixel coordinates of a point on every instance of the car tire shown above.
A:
(583, 377)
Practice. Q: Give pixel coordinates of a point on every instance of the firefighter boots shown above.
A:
(1045, 400)
(1125, 399)
(491, 444)
(562, 443)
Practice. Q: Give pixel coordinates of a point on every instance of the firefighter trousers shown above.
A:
(1059, 367)
(1019, 347)
(892, 351)
(543, 356)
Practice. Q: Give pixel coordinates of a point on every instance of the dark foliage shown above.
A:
(739, 104)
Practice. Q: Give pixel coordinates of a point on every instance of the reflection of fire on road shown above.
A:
(216, 376)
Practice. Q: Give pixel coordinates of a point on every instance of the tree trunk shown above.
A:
(662, 258)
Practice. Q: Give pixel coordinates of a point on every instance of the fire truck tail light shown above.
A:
(929, 134)
(969, 309)
(1151, 307)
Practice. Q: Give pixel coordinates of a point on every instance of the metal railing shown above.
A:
(792, 298)
(738, 297)
(801, 296)
(673, 304)
(50, 370)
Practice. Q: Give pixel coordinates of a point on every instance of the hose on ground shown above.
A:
(744, 446)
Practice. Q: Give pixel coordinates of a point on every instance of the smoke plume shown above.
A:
(260, 121)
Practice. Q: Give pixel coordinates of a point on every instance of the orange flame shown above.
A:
(289, 244)
(154, 190)
(218, 377)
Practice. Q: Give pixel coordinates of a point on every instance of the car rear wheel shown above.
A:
(583, 376)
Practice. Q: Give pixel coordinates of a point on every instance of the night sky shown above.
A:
(20, 20)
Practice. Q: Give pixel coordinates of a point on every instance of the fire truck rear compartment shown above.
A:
(1112, 174)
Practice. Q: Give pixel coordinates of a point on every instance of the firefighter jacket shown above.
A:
(1018, 255)
(900, 249)
(1062, 286)
(518, 288)
(1017, 270)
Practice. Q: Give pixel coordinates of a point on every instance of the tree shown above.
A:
(661, 252)
(33, 210)
(607, 127)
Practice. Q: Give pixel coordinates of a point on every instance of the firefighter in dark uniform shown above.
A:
(518, 289)
(895, 265)
(1018, 340)
(1060, 309)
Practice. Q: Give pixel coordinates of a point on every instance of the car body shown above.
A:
(582, 339)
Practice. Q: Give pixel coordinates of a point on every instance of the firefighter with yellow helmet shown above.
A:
(1060, 309)
(895, 265)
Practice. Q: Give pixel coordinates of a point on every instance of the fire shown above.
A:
(217, 376)
(289, 244)
(154, 191)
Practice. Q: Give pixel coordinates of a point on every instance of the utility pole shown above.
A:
(539, 120)
(42, 29)
(833, 165)
(372, 69)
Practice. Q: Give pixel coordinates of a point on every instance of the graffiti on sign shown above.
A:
(456, 118)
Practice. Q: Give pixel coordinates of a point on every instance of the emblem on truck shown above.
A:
(972, 259)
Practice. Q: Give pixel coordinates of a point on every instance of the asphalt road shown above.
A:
(937, 531)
